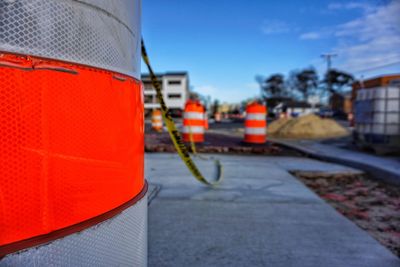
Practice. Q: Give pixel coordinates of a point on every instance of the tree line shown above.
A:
(300, 84)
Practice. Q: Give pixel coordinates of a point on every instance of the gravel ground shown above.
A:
(372, 205)
(216, 143)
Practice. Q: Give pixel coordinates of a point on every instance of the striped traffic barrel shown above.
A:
(156, 120)
(217, 117)
(206, 126)
(255, 124)
(283, 115)
(72, 190)
(193, 122)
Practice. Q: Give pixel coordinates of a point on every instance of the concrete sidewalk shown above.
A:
(384, 168)
(260, 216)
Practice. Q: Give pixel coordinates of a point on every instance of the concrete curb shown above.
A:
(378, 171)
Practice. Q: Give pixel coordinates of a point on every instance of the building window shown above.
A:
(174, 82)
(148, 86)
(174, 96)
(148, 99)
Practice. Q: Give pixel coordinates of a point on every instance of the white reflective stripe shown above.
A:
(193, 115)
(194, 129)
(124, 236)
(156, 124)
(157, 117)
(99, 33)
(255, 131)
(255, 116)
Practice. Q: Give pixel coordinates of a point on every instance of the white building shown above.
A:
(175, 88)
(296, 108)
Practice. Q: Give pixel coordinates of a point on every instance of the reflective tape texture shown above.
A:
(256, 116)
(156, 124)
(100, 33)
(193, 129)
(71, 144)
(255, 107)
(255, 139)
(194, 115)
(255, 131)
(119, 241)
(255, 124)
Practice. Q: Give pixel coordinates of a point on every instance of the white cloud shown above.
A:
(369, 41)
(274, 27)
(350, 5)
(311, 36)
(316, 35)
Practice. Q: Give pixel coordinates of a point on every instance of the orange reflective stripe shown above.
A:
(71, 144)
(193, 122)
(194, 106)
(256, 108)
(261, 124)
(197, 138)
(157, 112)
(206, 122)
(257, 139)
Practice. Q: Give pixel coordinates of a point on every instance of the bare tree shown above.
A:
(215, 106)
(305, 82)
(273, 86)
(336, 80)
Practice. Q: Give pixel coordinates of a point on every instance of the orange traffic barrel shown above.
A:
(206, 126)
(156, 120)
(217, 117)
(72, 134)
(255, 124)
(193, 122)
(350, 118)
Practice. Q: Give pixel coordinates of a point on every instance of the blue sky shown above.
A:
(224, 44)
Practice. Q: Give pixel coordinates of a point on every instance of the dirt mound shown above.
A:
(307, 127)
(276, 125)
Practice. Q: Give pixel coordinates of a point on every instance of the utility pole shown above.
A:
(328, 57)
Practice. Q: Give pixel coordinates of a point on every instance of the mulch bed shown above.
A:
(216, 143)
(372, 205)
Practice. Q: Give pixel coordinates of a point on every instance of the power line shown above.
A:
(378, 67)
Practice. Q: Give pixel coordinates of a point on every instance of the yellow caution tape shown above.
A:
(194, 150)
(174, 133)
